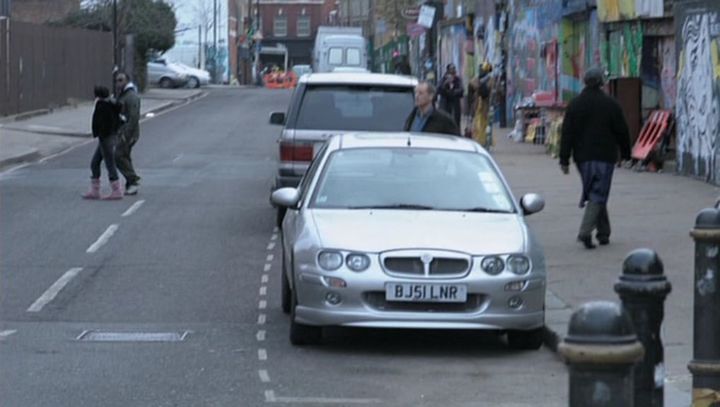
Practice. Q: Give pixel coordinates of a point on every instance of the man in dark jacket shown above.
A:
(425, 118)
(451, 93)
(129, 132)
(593, 130)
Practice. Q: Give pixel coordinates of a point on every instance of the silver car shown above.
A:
(402, 230)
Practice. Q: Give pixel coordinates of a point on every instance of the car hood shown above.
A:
(382, 230)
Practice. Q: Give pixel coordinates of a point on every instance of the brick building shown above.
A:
(42, 11)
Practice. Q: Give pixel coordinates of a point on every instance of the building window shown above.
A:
(303, 26)
(280, 26)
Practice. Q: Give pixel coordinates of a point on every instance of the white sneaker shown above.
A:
(132, 190)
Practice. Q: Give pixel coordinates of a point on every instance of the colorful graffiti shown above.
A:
(622, 53)
(579, 44)
(698, 94)
(619, 10)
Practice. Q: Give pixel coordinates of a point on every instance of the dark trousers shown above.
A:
(595, 217)
(596, 178)
(124, 161)
(105, 151)
(452, 107)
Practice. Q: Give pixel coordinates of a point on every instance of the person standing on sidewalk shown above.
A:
(593, 131)
(105, 123)
(425, 118)
(129, 133)
(479, 94)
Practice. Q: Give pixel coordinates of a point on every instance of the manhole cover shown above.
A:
(100, 336)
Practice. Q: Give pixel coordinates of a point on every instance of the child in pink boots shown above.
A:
(105, 123)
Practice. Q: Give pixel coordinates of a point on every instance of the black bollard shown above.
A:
(601, 349)
(643, 288)
(705, 366)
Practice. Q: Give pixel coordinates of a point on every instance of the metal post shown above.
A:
(642, 288)
(214, 54)
(600, 349)
(705, 366)
(199, 63)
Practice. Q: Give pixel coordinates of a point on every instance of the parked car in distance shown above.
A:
(196, 77)
(325, 104)
(410, 231)
(301, 70)
(165, 74)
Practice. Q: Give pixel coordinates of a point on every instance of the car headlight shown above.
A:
(357, 262)
(329, 260)
(518, 264)
(492, 265)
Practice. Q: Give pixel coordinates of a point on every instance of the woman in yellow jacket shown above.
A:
(481, 92)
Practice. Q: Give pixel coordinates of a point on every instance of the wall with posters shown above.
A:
(698, 95)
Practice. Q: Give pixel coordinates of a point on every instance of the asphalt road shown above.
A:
(171, 298)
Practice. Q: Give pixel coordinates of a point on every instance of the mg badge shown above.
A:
(426, 258)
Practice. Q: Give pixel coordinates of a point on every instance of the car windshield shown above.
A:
(404, 178)
(363, 108)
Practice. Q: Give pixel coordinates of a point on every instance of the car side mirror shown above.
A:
(532, 203)
(277, 118)
(285, 197)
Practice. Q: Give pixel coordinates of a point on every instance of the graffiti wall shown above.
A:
(622, 52)
(618, 10)
(580, 50)
(698, 87)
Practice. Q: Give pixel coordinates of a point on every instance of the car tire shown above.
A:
(286, 299)
(194, 82)
(526, 340)
(301, 334)
(165, 83)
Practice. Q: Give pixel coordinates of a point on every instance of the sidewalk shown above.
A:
(33, 135)
(649, 210)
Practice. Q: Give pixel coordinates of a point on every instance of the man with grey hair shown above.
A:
(593, 131)
(425, 118)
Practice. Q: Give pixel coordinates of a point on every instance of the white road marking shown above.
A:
(274, 237)
(264, 278)
(270, 257)
(133, 208)
(262, 304)
(267, 267)
(262, 354)
(260, 336)
(275, 229)
(176, 159)
(103, 238)
(6, 333)
(263, 290)
(271, 246)
(54, 289)
(271, 398)
(261, 319)
(264, 376)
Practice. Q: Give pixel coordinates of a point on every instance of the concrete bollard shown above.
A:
(642, 288)
(601, 349)
(705, 366)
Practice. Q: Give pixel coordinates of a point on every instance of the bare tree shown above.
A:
(203, 10)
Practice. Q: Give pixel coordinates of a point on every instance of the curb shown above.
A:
(25, 115)
(28, 156)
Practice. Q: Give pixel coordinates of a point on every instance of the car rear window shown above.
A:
(356, 108)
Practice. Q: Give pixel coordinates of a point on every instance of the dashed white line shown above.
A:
(263, 290)
(262, 304)
(103, 238)
(274, 237)
(4, 334)
(276, 229)
(262, 318)
(270, 257)
(260, 336)
(133, 208)
(270, 397)
(54, 289)
(264, 376)
(271, 246)
(262, 354)
(176, 159)
(267, 267)
(264, 278)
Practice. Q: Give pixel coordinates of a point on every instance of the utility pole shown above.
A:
(199, 61)
(258, 36)
(116, 68)
(215, 70)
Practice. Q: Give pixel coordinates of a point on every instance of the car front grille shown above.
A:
(376, 300)
(437, 267)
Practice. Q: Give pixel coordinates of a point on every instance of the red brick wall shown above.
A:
(291, 11)
(42, 11)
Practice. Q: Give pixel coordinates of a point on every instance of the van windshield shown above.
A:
(357, 108)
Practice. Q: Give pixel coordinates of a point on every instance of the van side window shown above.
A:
(335, 56)
(353, 56)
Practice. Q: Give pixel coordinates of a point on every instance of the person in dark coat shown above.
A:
(451, 93)
(425, 118)
(593, 131)
(129, 131)
(105, 124)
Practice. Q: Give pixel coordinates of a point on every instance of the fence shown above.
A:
(42, 66)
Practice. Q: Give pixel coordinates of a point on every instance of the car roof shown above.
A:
(402, 139)
(358, 78)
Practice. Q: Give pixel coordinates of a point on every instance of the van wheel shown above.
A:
(301, 334)
(526, 340)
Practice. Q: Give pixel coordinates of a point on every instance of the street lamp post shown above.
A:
(115, 44)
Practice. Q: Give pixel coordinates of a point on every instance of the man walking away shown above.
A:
(425, 118)
(451, 92)
(129, 132)
(593, 130)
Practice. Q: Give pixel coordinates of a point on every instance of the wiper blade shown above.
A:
(481, 209)
(394, 206)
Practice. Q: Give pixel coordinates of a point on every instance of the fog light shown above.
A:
(334, 282)
(515, 302)
(333, 298)
(515, 286)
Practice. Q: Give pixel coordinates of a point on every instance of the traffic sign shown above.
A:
(427, 16)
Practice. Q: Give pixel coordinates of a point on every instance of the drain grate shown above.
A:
(102, 336)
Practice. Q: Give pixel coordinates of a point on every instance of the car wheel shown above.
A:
(165, 83)
(526, 340)
(301, 334)
(194, 83)
(279, 216)
(286, 292)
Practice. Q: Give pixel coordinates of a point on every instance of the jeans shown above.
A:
(105, 151)
(124, 161)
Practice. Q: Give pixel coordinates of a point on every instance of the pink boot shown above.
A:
(116, 192)
(94, 191)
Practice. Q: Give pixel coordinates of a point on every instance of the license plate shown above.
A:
(412, 292)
